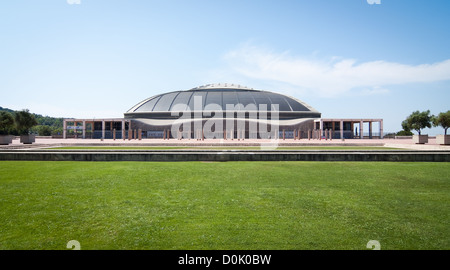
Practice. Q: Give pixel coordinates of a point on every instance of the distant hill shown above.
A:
(47, 125)
(6, 109)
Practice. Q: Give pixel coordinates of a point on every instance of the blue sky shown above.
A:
(347, 59)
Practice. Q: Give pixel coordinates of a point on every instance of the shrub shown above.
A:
(24, 121)
(6, 122)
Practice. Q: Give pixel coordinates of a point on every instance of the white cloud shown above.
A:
(333, 77)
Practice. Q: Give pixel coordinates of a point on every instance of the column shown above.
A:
(361, 129)
(342, 129)
(65, 129)
(130, 131)
(370, 129)
(84, 129)
(123, 129)
(103, 129)
(381, 129)
(353, 130)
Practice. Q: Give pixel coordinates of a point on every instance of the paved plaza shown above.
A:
(43, 142)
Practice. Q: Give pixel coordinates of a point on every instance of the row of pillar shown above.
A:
(311, 134)
(135, 134)
(200, 135)
(103, 128)
(353, 121)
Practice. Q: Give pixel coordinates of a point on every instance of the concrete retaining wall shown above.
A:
(404, 156)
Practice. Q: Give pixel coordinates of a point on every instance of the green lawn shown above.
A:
(224, 205)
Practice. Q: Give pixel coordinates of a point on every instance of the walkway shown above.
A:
(389, 143)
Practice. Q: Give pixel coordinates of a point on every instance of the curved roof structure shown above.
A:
(219, 96)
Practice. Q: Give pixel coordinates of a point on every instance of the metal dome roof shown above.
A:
(220, 94)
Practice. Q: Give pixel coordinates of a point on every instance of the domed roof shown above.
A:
(220, 94)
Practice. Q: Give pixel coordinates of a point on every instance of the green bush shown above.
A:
(24, 121)
(44, 130)
(6, 123)
(404, 133)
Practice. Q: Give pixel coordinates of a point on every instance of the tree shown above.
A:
(417, 121)
(443, 120)
(44, 130)
(6, 122)
(406, 128)
(24, 121)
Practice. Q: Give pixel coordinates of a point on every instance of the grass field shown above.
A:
(229, 205)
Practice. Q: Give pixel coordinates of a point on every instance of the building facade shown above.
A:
(220, 111)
